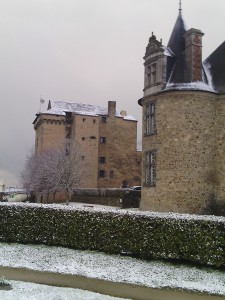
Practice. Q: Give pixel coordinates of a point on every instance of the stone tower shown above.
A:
(103, 139)
(182, 160)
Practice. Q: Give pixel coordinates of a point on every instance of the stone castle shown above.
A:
(183, 123)
(104, 139)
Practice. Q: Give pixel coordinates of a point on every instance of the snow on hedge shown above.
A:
(196, 239)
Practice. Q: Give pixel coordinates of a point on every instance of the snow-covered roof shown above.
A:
(214, 67)
(197, 85)
(11, 190)
(168, 51)
(61, 107)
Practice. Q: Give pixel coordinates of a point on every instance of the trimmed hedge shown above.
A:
(196, 239)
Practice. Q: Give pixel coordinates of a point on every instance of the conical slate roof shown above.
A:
(176, 64)
(215, 65)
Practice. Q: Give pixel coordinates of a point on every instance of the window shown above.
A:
(102, 140)
(94, 121)
(101, 173)
(150, 118)
(148, 73)
(68, 132)
(84, 119)
(150, 168)
(111, 174)
(104, 119)
(83, 138)
(151, 74)
(102, 159)
(82, 157)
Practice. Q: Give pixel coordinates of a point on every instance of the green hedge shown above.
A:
(197, 239)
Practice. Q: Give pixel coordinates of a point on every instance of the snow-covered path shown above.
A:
(32, 291)
(113, 268)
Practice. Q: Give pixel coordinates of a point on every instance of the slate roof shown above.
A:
(215, 65)
(176, 64)
(61, 107)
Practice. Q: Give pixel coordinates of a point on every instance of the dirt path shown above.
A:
(100, 286)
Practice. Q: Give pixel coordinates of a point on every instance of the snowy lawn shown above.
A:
(26, 290)
(115, 268)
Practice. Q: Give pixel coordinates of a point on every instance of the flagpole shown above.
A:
(42, 101)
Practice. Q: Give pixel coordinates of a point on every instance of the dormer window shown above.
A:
(151, 74)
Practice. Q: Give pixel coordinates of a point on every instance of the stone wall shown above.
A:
(122, 160)
(116, 157)
(110, 197)
(50, 132)
(85, 140)
(185, 152)
(219, 178)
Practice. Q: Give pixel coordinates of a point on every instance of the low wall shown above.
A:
(110, 197)
(101, 196)
(190, 238)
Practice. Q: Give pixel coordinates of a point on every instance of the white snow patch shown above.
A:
(115, 268)
(197, 85)
(168, 51)
(151, 214)
(32, 291)
(207, 69)
(61, 107)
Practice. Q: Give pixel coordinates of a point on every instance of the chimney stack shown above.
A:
(193, 55)
(111, 108)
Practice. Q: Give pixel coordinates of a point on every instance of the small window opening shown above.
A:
(102, 140)
(102, 159)
(101, 173)
(104, 119)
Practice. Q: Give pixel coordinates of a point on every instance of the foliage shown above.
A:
(215, 207)
(4, 284)
(51, 171)
(145, 235)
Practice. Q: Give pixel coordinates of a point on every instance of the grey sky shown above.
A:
(87, 51)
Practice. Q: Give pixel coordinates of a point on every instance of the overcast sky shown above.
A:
(88, 51)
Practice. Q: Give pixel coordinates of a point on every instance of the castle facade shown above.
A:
(183, 123)
(105, 141)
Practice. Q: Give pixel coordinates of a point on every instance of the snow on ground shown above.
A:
(115, 268)
(26, 290)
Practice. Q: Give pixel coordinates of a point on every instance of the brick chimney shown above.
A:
(111, 108)
(193, 54)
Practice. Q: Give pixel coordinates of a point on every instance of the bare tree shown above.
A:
(52, 171)
(67, 172)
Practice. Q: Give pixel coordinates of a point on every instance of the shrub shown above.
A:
(215, 207)
(196, 239)
(4, 284)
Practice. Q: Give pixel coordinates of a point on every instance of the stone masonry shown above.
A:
(104, 140)
(183, 124)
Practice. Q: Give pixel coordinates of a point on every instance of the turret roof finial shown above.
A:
(180, 6)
